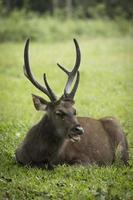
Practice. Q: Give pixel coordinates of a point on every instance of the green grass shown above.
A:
(106, 89)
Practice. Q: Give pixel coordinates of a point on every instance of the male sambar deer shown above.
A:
(61, 137)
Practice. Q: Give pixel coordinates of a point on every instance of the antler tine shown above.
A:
(78, 57)
(29, 75)
(72, 94)
(65, 70)
(48, 88)
(72, 73)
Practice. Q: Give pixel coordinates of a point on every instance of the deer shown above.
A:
(62, 137)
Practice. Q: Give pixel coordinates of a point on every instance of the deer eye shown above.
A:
(60, 113)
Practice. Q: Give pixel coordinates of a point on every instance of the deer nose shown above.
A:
(78, 129)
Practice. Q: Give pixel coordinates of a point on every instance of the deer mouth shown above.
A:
(74, 138)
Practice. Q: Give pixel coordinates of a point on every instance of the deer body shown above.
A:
(98, 144)
(61, 137)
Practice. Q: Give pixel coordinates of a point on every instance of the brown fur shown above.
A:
(98, 144)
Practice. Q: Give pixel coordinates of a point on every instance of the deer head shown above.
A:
(60, 111)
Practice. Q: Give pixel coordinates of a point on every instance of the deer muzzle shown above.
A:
(75, 133)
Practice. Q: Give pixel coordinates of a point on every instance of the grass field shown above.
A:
(106, 89)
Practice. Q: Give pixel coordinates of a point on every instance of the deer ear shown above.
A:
(39, 102)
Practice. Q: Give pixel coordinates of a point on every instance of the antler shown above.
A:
(71, 75)
(72, 93)
(27, 71)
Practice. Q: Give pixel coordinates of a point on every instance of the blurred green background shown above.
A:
(59, 20)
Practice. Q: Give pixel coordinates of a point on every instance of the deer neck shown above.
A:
(50, 131)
